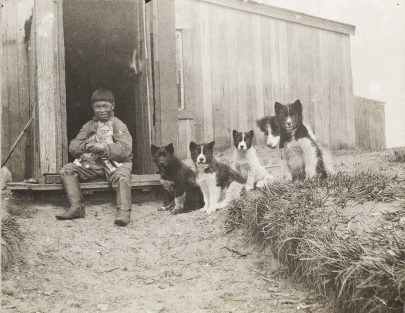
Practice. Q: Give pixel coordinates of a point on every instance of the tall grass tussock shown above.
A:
(358, 269)
(397, 155)
(11, 238)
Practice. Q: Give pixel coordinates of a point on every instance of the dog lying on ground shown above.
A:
(178, 181)
(246, 162)
(301, 156)
(214, 177)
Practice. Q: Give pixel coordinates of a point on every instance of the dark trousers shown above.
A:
(122, 173)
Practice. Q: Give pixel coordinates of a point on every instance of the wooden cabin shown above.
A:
(181, 70)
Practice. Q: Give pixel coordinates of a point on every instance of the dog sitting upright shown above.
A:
(214, 177)
(178, 181)
(292, 159)
(246, 162)
(298, 146)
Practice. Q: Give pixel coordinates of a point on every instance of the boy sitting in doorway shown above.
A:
(106, 140)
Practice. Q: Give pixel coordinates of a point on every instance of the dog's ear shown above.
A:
(169, 148)
(261, 123)
(297, 105)
(277, 108)
(153, 149)
(274, 125)
(251, 133)
(211, 145)
(192, 145)
(234, 133)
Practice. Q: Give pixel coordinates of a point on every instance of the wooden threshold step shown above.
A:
(137, 182)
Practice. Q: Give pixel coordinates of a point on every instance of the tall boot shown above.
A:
(123, 203)
(74, 195)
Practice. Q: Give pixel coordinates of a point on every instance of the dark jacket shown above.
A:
(119, 151)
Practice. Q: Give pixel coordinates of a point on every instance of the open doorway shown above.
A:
(99, 39)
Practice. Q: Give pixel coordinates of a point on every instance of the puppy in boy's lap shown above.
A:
(181, 192)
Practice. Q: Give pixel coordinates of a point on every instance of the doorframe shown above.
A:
(50, 97)
(164, 72)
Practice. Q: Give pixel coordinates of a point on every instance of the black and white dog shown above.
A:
(246, 162)
(270, 126)
(213, 177)
(301, 156)
(181, 192)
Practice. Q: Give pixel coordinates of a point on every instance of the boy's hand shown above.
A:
(96, 148)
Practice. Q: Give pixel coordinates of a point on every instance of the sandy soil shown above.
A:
(159, 263)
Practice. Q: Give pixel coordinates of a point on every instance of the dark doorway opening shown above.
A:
(100, 40)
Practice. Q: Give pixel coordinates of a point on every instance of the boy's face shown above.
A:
(103, 110)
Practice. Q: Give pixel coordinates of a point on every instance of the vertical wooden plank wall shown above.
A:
(369, 124)
(15, 86)
(247, 61)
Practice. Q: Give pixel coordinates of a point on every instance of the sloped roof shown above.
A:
(286, 15)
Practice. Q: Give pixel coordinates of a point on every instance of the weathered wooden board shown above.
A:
(137, 181)
(142, 104)
(164, 70)
(15, 87)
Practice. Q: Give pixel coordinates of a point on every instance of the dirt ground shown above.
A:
(159, 263)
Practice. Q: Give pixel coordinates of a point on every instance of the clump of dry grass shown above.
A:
(397, 155)
(303, 224)
(10, 242)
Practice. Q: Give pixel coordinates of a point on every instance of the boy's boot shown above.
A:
(74, 196)
(123, 203)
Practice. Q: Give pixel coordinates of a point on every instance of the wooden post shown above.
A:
(50, 86)
(164, 70)
(1, 76)
(144, 163)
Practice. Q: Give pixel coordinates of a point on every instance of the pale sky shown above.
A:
(378, 51)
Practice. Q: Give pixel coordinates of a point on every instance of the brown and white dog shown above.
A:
(214, 178)
(246, 162)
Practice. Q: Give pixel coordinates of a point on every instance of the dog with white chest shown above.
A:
(246, 162)
(214, 178)
(301, 156)
(295, 135)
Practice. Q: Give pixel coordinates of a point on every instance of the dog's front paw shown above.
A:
(249, 187)
(222, 205)
(166, 206)
(261, 184)
(211, 209)
(177, 209)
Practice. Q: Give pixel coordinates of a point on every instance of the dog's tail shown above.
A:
(328, 162)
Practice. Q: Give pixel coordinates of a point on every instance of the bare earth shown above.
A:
(159, 263)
